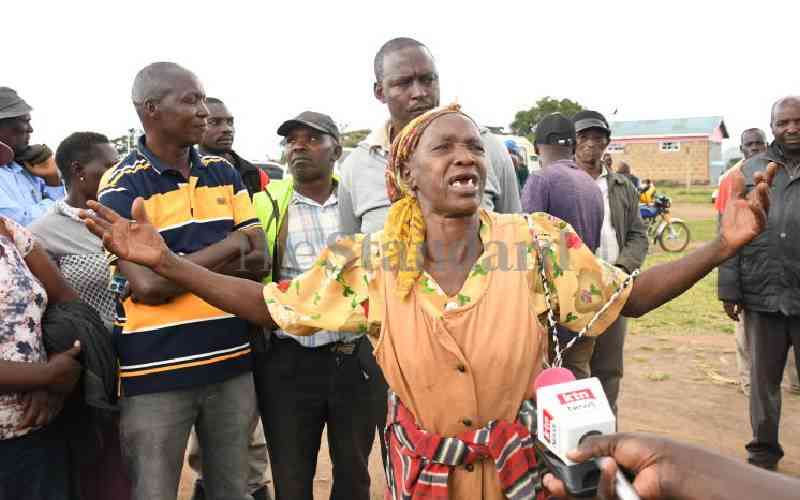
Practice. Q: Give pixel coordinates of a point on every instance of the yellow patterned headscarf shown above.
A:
(404, 229)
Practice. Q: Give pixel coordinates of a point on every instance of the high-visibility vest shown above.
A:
(271, 205)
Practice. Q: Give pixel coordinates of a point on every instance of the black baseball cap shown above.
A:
(311, 119)
(590, 119)
(556, 130)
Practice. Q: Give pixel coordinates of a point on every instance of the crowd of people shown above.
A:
(179, 300)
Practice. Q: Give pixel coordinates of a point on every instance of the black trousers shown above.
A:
(36, 466)
(379, 397)
(771, 335)
(300, 391)
(607, 360)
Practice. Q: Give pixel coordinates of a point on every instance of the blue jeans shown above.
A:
(154, 430)
(35, 466)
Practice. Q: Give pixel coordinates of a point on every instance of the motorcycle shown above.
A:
(671, 233)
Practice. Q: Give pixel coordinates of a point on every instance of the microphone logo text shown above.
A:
(575, 396)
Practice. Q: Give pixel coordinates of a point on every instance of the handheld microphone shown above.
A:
(568, 411)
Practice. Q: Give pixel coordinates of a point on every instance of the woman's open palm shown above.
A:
(132, 240)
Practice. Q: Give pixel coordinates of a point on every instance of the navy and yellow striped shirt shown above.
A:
(185, 342)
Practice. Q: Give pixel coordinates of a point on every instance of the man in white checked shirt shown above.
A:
(306, 383)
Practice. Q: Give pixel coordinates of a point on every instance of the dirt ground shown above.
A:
(692, 211)
(681, 387)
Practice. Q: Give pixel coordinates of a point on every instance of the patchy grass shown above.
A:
(695, 312)
(657, 376)
(702, 230)
(695, 194)
(712, 375)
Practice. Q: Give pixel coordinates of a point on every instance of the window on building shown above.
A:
(614, 148)
(670, 146)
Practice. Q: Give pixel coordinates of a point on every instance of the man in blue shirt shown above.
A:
(29, 184)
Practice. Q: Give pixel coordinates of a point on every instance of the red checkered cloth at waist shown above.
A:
(420, 461)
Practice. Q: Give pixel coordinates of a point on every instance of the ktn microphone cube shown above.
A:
(571, 411)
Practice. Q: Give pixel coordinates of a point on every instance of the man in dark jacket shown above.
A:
(765, 279)
(218, 141)
(623, 238)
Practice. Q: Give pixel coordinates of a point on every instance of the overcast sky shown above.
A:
(74, 62)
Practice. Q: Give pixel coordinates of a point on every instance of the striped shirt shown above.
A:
(185, 342)
(310, 227)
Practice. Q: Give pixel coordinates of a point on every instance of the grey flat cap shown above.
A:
(11, 104)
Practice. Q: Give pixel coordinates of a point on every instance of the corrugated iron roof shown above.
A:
(668, 127)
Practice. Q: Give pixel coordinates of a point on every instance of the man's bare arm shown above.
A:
(243, 298)
(148, 287)
(253, 265)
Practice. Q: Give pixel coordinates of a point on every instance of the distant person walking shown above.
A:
(624, 169)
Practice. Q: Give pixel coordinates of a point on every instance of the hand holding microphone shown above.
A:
(663, 468)
(650, 458)
(568, 412)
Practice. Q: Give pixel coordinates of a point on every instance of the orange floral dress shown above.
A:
(458, 361)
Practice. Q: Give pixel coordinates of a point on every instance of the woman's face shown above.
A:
(104, 156)
(448, 168)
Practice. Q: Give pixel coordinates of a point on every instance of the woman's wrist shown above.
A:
(721, 250)
(43, 376)
(168, 264)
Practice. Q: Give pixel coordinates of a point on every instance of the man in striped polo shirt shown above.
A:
(182, 361)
